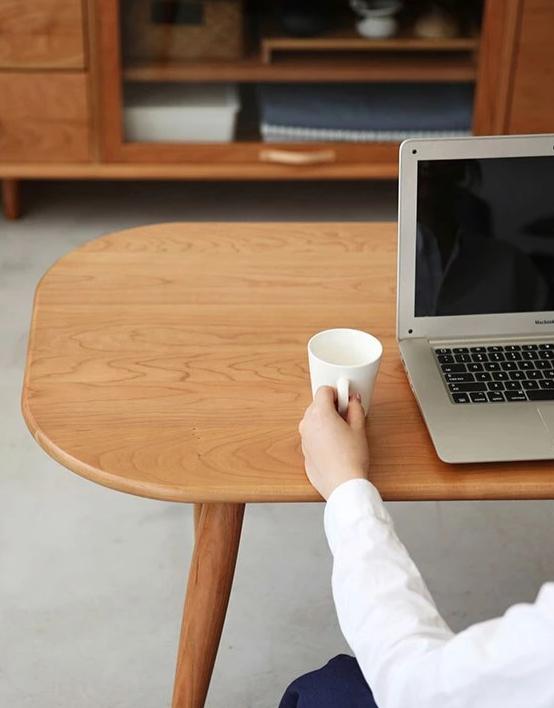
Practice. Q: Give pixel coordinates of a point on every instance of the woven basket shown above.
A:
(213, 29)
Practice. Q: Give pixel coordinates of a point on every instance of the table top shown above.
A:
(170, 361)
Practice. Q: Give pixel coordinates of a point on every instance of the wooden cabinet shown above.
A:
(44, 117)
(532, 98)
(41, 34)
(64, 73)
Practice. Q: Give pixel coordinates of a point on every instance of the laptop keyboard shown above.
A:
(498, 373)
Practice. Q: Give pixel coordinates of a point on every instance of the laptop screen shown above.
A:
(485, 236)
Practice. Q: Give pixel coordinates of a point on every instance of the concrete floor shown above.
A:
(92, 581)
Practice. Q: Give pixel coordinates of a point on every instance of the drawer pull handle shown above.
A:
(293, 157)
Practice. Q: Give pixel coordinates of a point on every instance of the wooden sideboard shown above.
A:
(61, 78)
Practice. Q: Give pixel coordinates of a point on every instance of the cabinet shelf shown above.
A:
(402, 66)
(344, 40)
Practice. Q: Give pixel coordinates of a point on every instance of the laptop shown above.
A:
(475, 317)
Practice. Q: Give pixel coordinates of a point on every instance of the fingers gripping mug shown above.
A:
(346, 359)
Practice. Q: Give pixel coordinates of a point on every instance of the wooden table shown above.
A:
(170, 362)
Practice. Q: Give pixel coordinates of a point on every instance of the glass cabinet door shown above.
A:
(183, 65)
(332, 77)
(172, 51)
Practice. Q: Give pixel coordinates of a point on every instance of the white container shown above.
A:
(159, 112)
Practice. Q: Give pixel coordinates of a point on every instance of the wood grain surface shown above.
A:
(532, 104)
(41, 34)
(497, 57)
(211, 169)
(170, 362)
(43, 117)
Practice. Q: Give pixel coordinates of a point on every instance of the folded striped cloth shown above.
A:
(364, 112)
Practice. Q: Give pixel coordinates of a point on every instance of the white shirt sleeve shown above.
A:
(407, 653)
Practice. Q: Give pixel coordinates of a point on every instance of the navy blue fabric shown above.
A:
(383, 106)
(339, 684)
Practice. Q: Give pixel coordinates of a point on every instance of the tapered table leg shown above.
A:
(209, 585)
(11, 198)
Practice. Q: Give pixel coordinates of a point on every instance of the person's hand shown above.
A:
(335, 450)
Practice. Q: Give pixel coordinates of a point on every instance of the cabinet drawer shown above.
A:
(43, 117)
(295, 159)
(41, 34)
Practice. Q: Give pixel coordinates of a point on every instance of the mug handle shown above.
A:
(343, 395)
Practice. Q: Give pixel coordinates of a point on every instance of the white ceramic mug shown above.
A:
(346, 359)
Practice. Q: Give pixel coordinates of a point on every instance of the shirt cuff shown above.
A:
(349, 503)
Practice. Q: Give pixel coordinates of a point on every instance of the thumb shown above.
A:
(355, 416)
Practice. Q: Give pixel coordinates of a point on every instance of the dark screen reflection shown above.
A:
(485, 236)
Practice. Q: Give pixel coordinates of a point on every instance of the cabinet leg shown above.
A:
(11, 198)
(209, 586)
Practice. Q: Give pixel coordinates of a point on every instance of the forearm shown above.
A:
(384, 608)
(407, 653)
